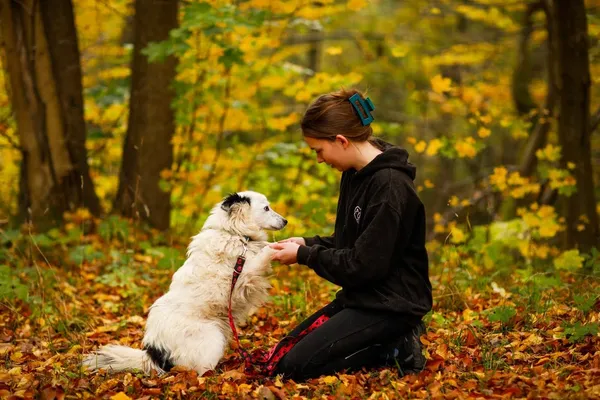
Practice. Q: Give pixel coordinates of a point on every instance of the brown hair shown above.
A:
(332, 114)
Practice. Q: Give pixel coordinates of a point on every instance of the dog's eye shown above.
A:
(266, 208)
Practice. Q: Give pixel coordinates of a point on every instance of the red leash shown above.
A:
(260, 362)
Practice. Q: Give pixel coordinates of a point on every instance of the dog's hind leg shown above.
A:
(201, 348)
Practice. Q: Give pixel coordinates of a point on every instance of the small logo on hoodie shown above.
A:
(357, 214)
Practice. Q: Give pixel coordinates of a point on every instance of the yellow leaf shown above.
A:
(328, 380)
(120, 396)
(334, 51)
(465, 149)
(458, 236)
(311, 13)
(399, 51)
(453, 201)
(550, 153)
(377, 129)
(244, 388)
(469, 315)
(278, 382)
(74, 349)
(545, 212)
(532, 340)
(303, 96)
(433, 147)
(505, 122)
(227, 389)
(273, 82)
(483, 132)
(486, 119)
(420, 147)
(548, 229)
(569, 260)
(440, 85)
(356, 5)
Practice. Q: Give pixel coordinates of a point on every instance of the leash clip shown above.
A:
(245, 244)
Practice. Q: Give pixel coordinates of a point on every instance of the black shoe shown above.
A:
(406, 352)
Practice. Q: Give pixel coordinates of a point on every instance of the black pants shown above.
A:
(349, 340)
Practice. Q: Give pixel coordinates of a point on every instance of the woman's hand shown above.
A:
(297, 240)
(287, 252)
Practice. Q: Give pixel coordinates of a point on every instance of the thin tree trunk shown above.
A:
(539, 134)
(574, 121)
(147, 148)
(42, 59)
(522, 75)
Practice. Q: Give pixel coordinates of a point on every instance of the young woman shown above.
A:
(377, 252)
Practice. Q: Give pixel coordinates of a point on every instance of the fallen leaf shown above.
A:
(120, 396)
(328, 380)
(264, 393)
(53, 393)
(278, 392)
(233, 374)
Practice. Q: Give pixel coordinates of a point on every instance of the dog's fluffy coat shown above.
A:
(188, 325)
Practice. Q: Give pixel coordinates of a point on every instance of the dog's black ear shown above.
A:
(232, 199)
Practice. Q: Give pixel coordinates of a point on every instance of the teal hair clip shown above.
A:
(363, 108)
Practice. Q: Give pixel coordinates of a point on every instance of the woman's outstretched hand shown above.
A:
(287, 251)
(297, 240)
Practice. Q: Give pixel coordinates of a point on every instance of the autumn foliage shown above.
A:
(465, 86)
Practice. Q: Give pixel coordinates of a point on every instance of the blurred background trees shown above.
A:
(155, 110)
(122, 118)
(41, 58)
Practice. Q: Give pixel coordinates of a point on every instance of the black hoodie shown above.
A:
(377, 252)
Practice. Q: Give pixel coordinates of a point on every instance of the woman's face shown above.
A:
(331, 152)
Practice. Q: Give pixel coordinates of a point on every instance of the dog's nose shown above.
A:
(284, 222)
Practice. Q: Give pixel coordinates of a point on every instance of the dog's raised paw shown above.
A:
(267, 251)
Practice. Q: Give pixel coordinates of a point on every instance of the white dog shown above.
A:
(189, 325)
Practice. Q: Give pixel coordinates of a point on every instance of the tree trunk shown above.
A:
(574, 121)
(147, 149)
(42, 59)
(539, 133)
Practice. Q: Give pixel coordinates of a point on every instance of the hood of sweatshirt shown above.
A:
(392, 157)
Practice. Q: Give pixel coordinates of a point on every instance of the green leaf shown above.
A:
(113, 227)
(85, 253)
(9, 236)
(546, 282)
(584, 302)
(170, 258)
(570, 260)
(578, 331)
(11, 286)
(231, 56)
(502, 313)
(43, 240)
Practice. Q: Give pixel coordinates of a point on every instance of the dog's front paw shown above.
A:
(267, 252)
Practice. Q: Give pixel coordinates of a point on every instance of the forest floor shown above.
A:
(533, 345)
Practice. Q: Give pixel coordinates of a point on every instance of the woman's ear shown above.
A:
(343, 140)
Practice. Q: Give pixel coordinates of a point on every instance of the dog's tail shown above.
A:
(119, 358)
